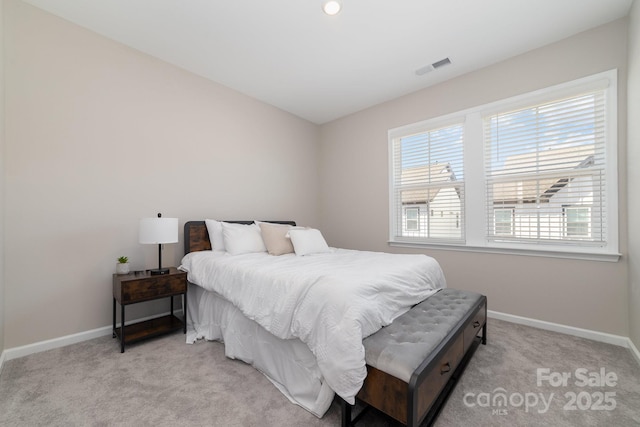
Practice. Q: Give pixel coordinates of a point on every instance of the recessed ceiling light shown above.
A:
(331, 7)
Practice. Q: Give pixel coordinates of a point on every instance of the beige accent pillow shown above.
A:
(274, 238)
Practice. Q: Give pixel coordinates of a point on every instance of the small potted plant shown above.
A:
(122, 267)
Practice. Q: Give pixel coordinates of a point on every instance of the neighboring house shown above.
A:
(548, 195)
(433, 209)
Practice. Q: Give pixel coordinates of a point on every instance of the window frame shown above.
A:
(474, 219)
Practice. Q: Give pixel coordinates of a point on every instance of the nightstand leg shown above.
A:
(114, 318)
(122, 328)
(171, 304)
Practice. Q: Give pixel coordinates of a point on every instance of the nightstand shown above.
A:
(141, 286)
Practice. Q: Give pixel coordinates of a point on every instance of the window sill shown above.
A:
(548, 253)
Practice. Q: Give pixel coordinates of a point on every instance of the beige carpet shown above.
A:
(165, 382)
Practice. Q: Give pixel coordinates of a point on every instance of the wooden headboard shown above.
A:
(196, 236)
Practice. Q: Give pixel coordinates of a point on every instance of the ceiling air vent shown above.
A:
(441, 63)
(427, 68)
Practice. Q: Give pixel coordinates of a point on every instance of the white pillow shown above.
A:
(242, 239)
(215, 234)
(308, 241)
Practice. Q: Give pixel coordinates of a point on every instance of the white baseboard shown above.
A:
(2, 357)
(568, 330)
(634, 350)
(25, 350)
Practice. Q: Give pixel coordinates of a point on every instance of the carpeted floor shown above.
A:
(165, 382)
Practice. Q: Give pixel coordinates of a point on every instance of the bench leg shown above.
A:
(346, 413)
(484, 333)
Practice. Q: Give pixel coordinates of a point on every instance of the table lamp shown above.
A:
(158, 231)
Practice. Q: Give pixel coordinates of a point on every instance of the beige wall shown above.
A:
(354, 192)
(633, 159)
(99, 135)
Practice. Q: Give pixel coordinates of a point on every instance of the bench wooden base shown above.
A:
(431, 383)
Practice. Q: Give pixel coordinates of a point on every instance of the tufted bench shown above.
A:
(414, 363)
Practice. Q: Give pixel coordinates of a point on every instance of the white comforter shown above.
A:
(329, 301)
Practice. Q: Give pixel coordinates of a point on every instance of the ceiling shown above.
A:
(289, 54)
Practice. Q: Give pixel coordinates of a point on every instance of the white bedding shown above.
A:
(328, 301)
(288, 364)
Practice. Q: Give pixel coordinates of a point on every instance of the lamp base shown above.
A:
(159, 271)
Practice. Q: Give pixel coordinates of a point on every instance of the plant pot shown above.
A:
(122, 268)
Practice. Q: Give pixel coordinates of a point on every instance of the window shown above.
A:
(577, 222)
(428, 173)
(412, 216)
(503, 222)
(541, 158)
(534, 174)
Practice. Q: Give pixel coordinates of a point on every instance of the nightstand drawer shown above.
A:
(132, 288)
(135, 291)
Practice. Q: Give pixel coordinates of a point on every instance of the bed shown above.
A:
(300, 320)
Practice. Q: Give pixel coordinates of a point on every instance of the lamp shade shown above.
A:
(158, 230)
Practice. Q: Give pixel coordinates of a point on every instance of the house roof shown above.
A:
(558, 160)
(421, 176)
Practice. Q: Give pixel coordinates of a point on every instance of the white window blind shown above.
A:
(540, 175)
(546, 165)
(427, 185)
